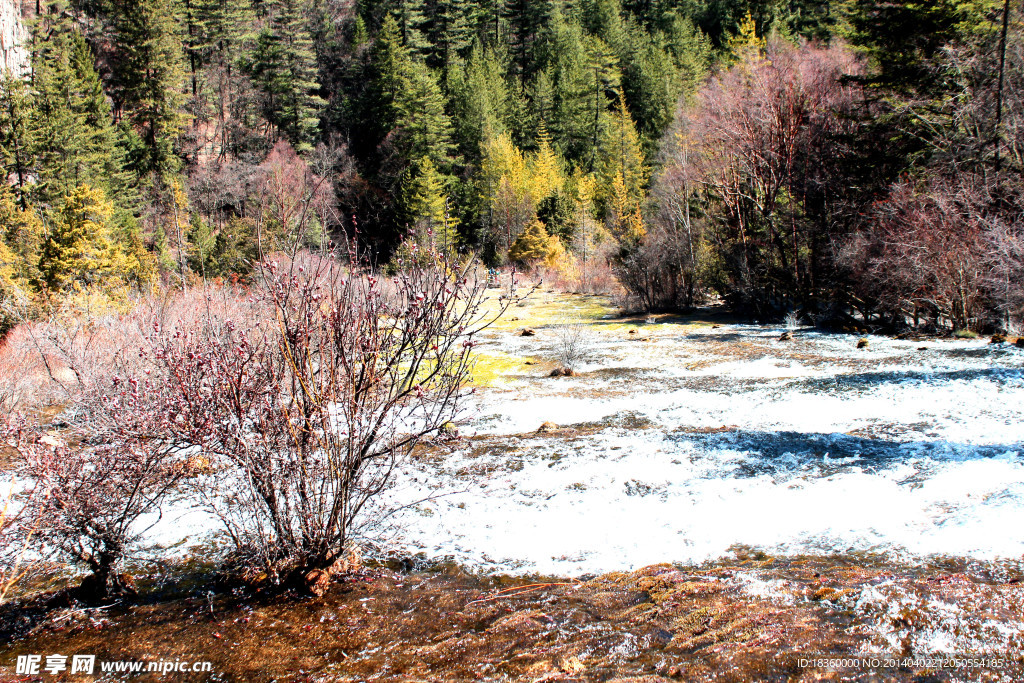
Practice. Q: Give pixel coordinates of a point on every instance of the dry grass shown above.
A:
(48, 362)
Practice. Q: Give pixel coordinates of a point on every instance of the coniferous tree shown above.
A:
(406, 98)
(283, 67)
(390, 60)
(480, 100)
(21, 234)
(223, 33)
(17, 160)
(448, 30)
(149, 78)
(622, 157)
(421, 116)
(80, 247)
(75, 138)
(528, 22)
(409, 20)
(427, 207)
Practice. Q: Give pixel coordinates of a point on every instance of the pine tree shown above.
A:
(21, 233)
(545, 170)
(747, 42)
(148, 78)
(528, 21)
(535, 244)
(409, 20)
(448, 29)
(622, 157)
(480, 101)
(489, 24)
(427, 207)
(201, 244)
(690, 49)
(223, 34)
(74, 134)
(571, 100)
(406, 98)
(624, 218)
(652, 84)
(283, 67)
(585, 74)
(79, 247)
(420, 115)
(17, 160)
(390, 60)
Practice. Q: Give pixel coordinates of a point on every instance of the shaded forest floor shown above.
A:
(752, 619)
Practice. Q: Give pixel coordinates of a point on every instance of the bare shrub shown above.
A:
(81, 344)
(792, 320)
(925, 255)
(574, 344)
(310, 409)
(575, 275)
(16, 531)
(102, 481)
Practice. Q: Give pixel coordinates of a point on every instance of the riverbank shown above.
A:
(754, 618)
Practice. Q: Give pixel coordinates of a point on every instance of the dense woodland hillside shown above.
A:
(838, 159)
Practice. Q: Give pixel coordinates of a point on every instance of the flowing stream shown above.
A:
(679, 442)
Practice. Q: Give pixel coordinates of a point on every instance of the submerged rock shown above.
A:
(562, 372)
(785, 336)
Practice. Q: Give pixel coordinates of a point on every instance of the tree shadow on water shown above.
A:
(776, 452)
(869, 380)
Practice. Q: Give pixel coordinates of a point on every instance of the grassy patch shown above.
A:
(489, 368)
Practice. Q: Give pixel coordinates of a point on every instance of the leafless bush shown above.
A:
(924, 255)
(663, 272)
(101, 482)
(16, 533)
(55, 359)
(792, 320)
(312, 408)
(574, 343)
(1005, 272)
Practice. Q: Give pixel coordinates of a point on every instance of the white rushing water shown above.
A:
(682, 447)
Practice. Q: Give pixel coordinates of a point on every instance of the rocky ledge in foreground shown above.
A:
(753, 620)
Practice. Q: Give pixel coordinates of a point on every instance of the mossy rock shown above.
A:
(693, 623)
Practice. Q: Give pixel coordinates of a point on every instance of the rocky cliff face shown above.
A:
(13, 54)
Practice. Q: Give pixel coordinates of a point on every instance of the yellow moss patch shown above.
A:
(541, 309)
(492, 367)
